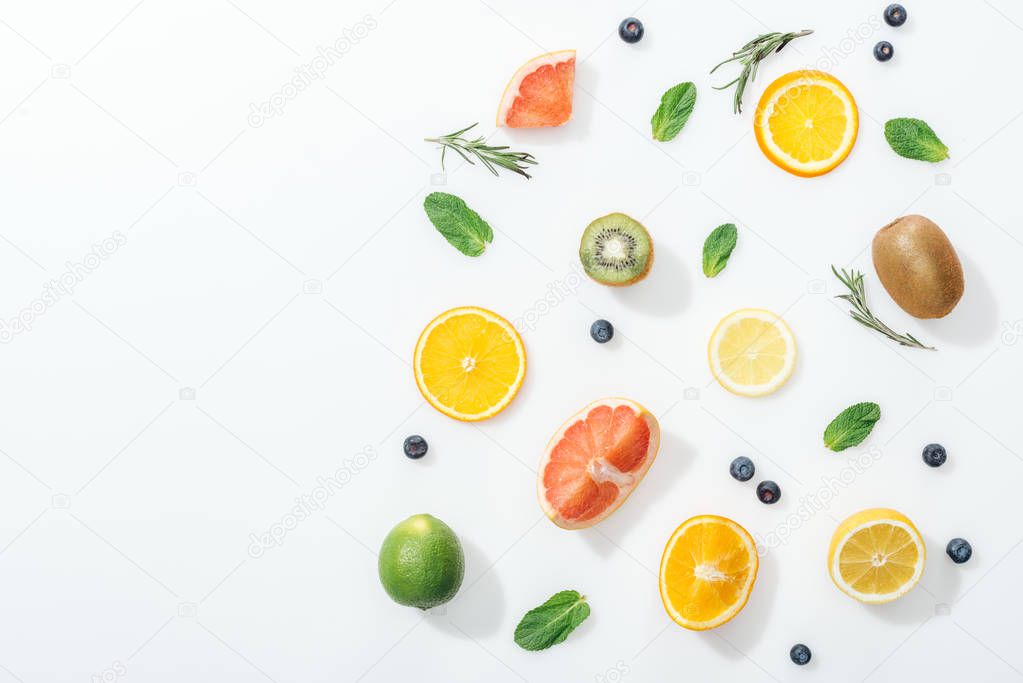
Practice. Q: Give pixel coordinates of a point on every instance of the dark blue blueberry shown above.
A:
(631, 30)
(742, 468)
(602, 331)
(415, 447)
(768, 492)
(800, 654)
(895, 15)
(959, 549)
(934, 454)
(883, 51)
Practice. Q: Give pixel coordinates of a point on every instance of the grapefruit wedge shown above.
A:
(540, 92)
(595, 460)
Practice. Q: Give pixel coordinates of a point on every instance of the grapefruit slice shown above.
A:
(595, 460)
(540, 92)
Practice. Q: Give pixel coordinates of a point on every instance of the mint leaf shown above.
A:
(914, 139)
(676, 106)
(852, 426)
(718, 247)
(551, 622)
(460, 225)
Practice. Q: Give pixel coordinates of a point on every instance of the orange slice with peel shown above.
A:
(707, 572)
(469, 363)
(540, 92)
(595, 460)
(806, 122)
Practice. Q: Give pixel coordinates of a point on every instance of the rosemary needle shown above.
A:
(750, 55)
(490, 156)
(857, 296)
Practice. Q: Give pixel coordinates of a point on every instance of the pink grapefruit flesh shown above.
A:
(540, 92)
(595, 460)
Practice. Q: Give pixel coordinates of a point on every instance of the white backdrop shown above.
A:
(238, 291)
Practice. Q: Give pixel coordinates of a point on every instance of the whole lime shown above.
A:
(421, 562)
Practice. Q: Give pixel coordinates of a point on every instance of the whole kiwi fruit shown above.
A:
(616, 250)
(918, 266)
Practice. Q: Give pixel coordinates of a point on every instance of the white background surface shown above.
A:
(127, 510)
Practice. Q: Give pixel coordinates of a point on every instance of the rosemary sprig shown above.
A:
(492, 157)
(857, 296)
(750, 55)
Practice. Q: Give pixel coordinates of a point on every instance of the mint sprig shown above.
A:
(914, 139)
(852, 426)
(676, 106)
(551, 622)
(461, 226)
(718, 247)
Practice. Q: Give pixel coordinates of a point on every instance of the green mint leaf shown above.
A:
(852, 426)
(551, 622)
(718, 247)
(460, 225)
(676, 106)
(914, 139)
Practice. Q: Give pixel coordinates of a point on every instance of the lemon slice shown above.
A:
(876, 555)
(469, 363)
(707, 572)
(806, 122)
(752, 352)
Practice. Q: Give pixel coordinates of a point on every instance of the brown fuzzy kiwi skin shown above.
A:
(917, 264)
(641, 275)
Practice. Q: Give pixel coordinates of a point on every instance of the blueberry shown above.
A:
(959, 549)
(934, 454)
(602, 331)
(742, 468)
(631, 30)
(800, 654)
(415, 447)
(895, 15)
(883, 51)
(768, 492)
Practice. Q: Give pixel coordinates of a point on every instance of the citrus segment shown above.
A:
(876, 555)
(540, 92)
(707, 572)
(595, 460)
(469, 363)
(752, 352)
(806, 122)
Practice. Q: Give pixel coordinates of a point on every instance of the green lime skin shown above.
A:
(421, 562)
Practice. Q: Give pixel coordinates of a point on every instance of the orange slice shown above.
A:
(595, 461)
(707, 572)
(806, 122)
(540, 92)
(469, 363)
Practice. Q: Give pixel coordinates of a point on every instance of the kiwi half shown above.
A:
(616, 250)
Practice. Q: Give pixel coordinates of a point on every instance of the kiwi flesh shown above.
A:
(616, 250)
(918, 266)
